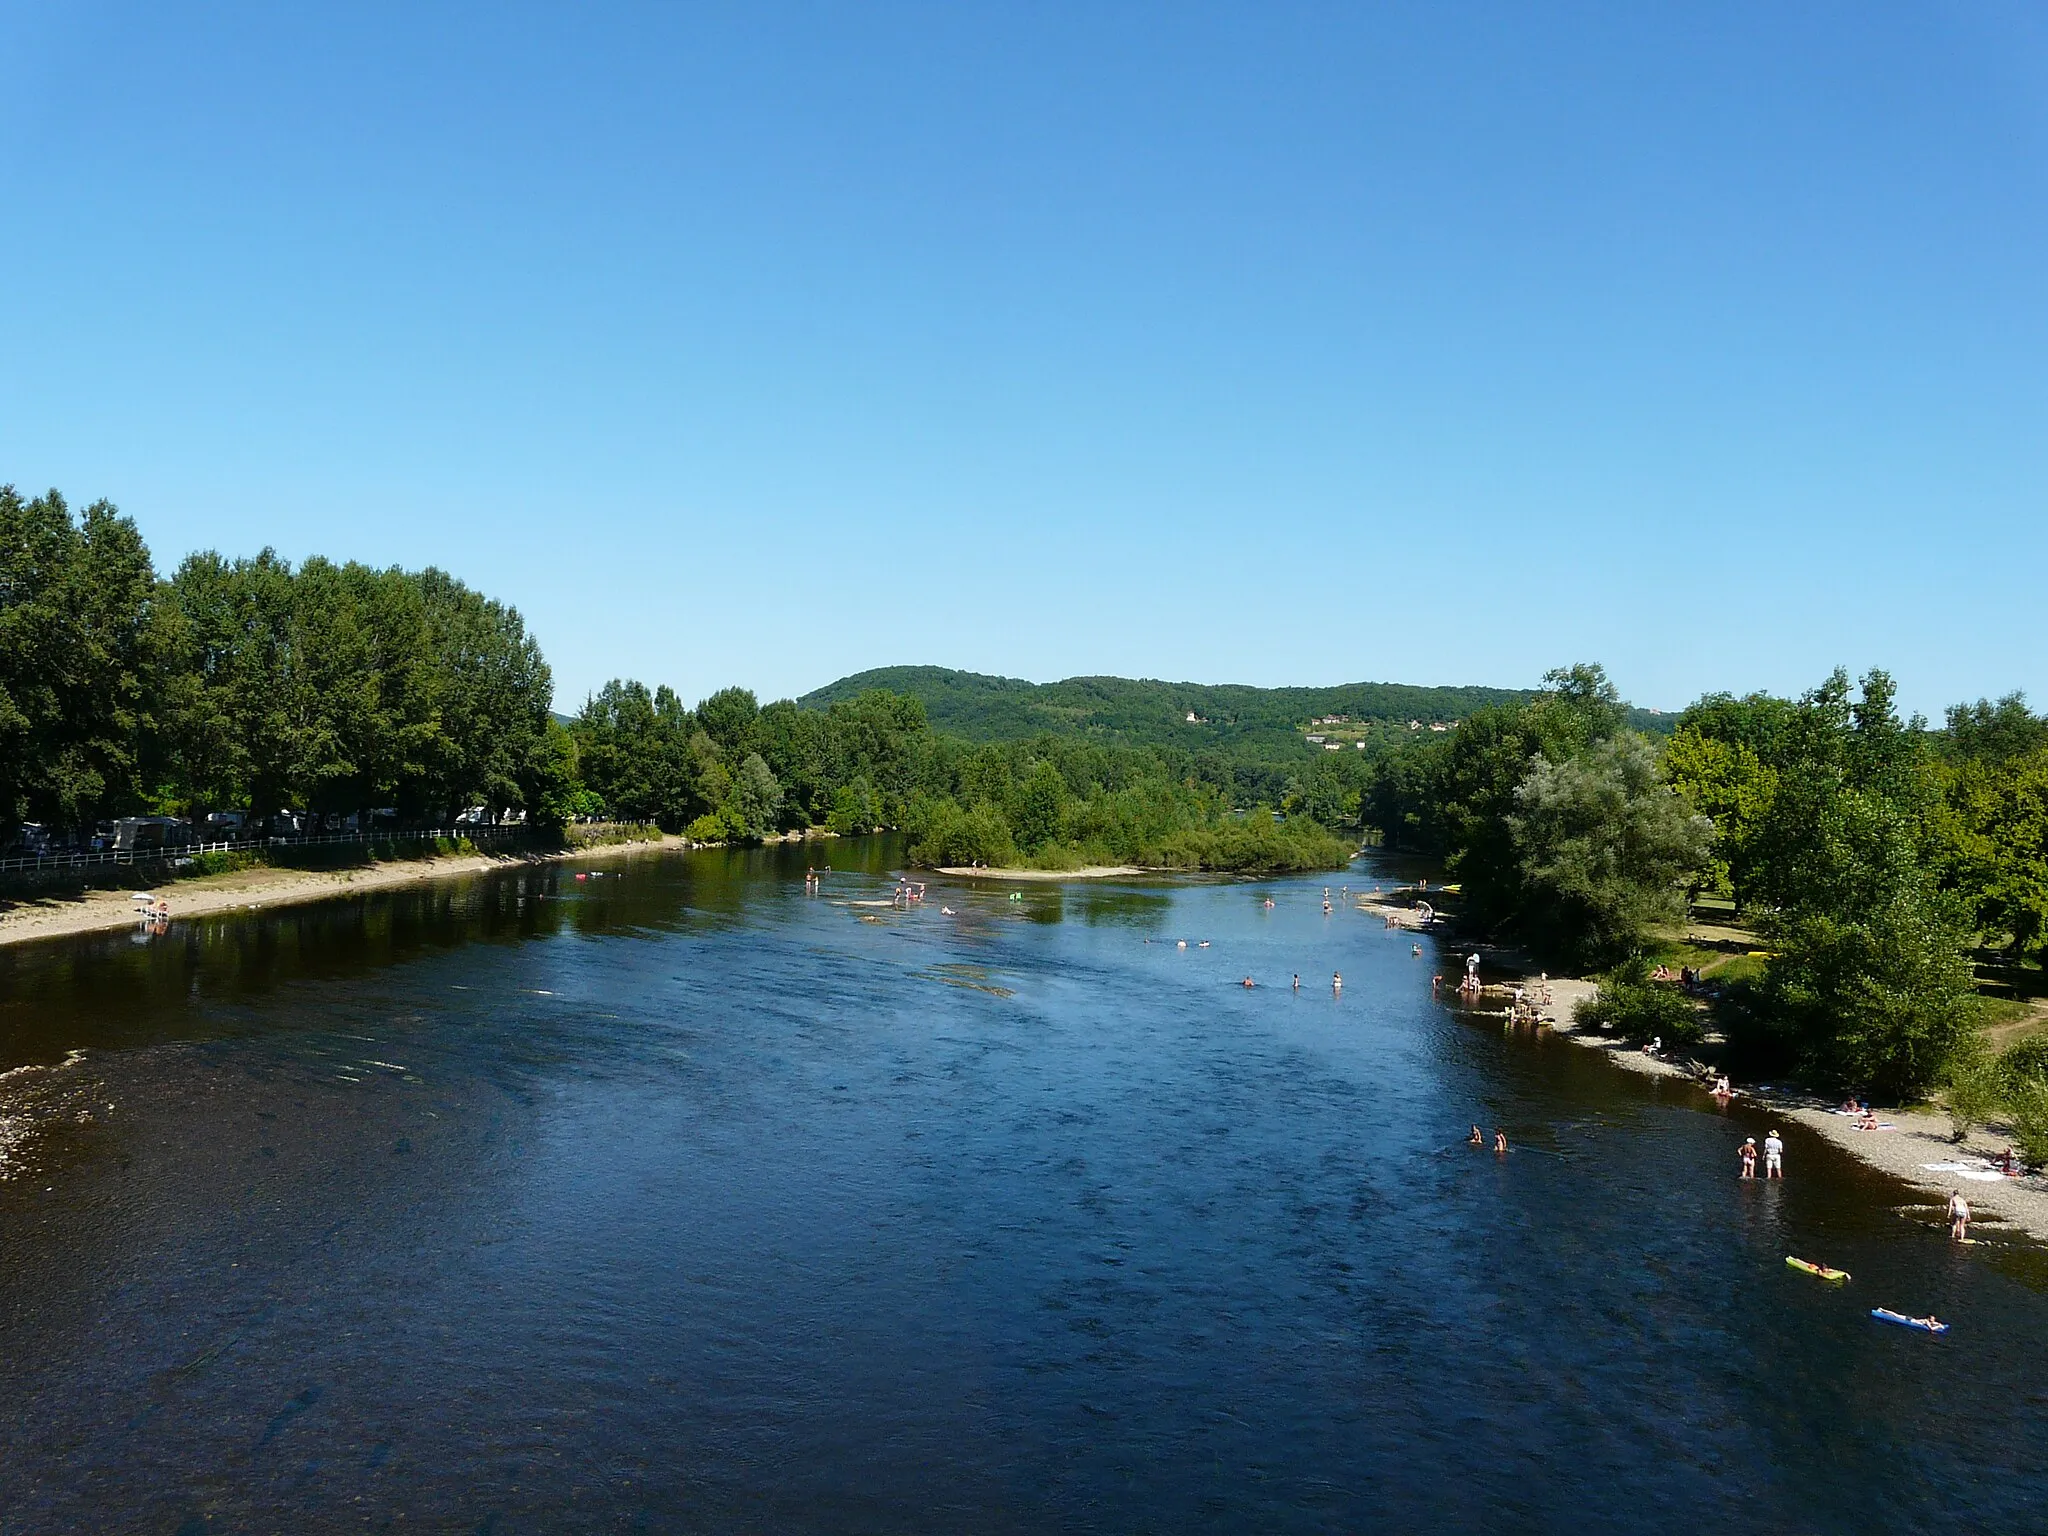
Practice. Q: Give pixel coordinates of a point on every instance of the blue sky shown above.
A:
(1270, 344)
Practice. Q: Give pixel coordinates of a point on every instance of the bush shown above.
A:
(1641, 1010)
(719, 826)
(2028, 1111)
(942, 834)
(1973, 1094)
(2025, 1063)
(225, 861)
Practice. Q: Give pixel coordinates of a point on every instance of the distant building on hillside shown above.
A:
(1315, 739)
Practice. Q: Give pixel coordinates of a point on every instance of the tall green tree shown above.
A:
(77, 639)
(1605, 847)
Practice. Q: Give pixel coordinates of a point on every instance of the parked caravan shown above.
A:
(145, 834)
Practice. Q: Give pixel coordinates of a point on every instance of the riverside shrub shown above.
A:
(1641, 1010)
(2027, 1109)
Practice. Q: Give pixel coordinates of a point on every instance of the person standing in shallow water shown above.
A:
(1774, 1157)
(1958, 1217)
(1748, 1156)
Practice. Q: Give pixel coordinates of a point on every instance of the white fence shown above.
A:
(36, 861)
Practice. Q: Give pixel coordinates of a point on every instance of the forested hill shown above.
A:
(1144, 712)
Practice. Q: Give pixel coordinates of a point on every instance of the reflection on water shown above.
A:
(676, 1198)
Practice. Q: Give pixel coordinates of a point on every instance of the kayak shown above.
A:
(1820, 1271)
(1886, 1315)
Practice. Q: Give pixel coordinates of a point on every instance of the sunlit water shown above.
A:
(678, 1199)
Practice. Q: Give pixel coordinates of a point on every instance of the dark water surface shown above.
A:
(677, 1200)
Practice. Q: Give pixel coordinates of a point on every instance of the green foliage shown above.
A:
(1991, 837)
(79, 634)
(2024, 1063)
(223, 861)
(728, 717)
(2027, 1110)
(1728, 782)
(1878, 998)
(1836, 826)
(1256, 844)
(640, 754)
(1972, 1093)
(1143, 713)
(1040, 808)
(1604, 845)
(946, 834)
(856, 807)
(719, 826)
(1637, 1009)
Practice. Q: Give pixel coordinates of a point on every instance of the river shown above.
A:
(676, 1199)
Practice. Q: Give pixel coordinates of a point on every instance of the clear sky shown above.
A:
(1273, 343)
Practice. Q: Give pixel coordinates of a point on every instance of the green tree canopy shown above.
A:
(1604, 847)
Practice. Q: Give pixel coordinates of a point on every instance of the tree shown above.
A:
(1726, 781)
(727, 717)
(77, 630)
(1603, 845)
(1880, 999)
(1994, 845)
(756, 798)
(1039, 816)
(638, 752)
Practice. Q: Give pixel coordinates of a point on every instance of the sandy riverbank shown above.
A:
(1922, 1137)
(52, 917)
(1092, 872)
(1916, 1139)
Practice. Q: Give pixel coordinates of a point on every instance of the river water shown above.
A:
(677, 1199)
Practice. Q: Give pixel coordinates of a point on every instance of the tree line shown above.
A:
(334, 689)
(253, 685)
(1876, 857)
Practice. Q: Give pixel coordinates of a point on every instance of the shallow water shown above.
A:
(676, 1199)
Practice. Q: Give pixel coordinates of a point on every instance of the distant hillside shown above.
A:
(1230, 717)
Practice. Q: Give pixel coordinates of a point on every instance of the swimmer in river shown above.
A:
(1476, 1139)
(1500, 1139)
(1248, 981)
(1336, 981)
(1297, 981)
(1415, 950)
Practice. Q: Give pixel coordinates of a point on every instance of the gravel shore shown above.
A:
(1916, 1137)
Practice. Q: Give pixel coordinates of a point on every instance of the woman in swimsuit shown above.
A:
(1500, 1139)
(1748, 1156)
(1476, 1139)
